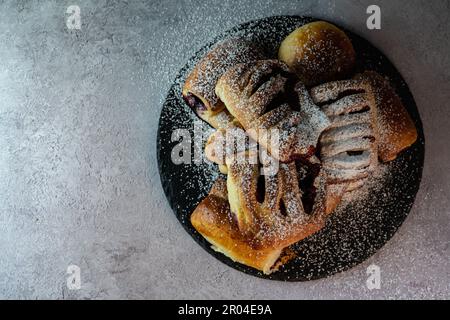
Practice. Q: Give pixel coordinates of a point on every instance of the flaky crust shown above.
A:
(396, 130)
(214, 220)
(348, 147)
(332, 137)
(254, 230)
(202, 80)
(256, 94)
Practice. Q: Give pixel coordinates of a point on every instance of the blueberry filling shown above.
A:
(287, 95)
(277, 101)
(195, 103)
(290, 94)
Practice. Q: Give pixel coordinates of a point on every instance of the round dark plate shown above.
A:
(351, 235)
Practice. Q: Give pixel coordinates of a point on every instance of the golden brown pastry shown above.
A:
(198, 90)
(252, 217)
(252, 222)
(318, 52)
(329, 140)
(349, 146)
(230, 142)
(214, 221)
(257, 216)
(256, 95)
(396, 130)
(219, 150)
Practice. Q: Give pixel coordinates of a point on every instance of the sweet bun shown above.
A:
(198, 90)
(318, 52)
(333, 130)
(255, 94)
(396, 129)
(215, 222)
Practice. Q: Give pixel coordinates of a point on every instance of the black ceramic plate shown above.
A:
(350, 236)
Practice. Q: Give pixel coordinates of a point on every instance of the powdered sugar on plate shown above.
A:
(366, 218)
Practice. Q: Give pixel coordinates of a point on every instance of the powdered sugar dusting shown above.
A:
(367, 217)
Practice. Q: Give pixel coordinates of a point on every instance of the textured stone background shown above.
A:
(78, 174)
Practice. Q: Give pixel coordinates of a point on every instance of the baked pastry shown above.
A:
(349, 146)
(223, 145)
(221, 150)
(290, 154)
(260, 215)
(397, 131)
(214, 221)
(198, 91)
(318, 52)
(253, 221)
(257, 95)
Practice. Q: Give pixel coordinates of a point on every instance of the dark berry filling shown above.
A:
(195, 103)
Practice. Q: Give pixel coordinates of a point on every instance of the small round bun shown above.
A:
(318, 52)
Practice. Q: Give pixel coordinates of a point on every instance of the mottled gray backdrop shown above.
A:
(78, 173)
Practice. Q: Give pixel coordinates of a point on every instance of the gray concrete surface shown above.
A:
(78, 174)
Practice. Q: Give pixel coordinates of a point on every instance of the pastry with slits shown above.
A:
(252, 218)
(198, 90)
(265, 95)
(259, 213)
(348, 147)
(330, 140)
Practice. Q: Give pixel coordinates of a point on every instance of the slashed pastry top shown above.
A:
(198, 90)
(348, 148)
(320, 143)
(259, 95)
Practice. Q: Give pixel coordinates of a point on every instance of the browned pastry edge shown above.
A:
(238, 88)
(214, 221)
(396, 130)
(260, 96)
(318, 52)
(334, 194)
(201, 82)
(218, 120)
